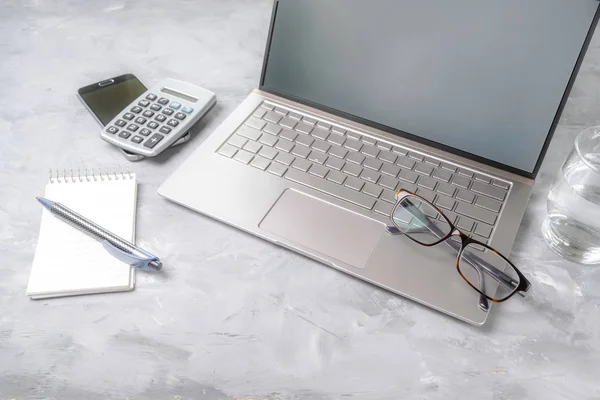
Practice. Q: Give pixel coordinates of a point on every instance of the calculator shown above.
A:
(158, 117)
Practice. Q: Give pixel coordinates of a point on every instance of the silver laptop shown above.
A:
(455, 101)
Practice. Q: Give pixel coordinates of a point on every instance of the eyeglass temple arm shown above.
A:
(471, 258)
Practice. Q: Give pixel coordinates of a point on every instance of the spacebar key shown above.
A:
(330, 188)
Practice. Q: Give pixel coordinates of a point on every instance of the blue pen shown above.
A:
(115, 245)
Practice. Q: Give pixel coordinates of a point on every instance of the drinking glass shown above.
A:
(572, 227)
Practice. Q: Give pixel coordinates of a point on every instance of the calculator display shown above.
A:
(108, 101)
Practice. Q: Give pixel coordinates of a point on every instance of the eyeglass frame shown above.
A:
(523, 286)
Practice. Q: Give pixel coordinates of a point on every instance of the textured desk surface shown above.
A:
(233, 316)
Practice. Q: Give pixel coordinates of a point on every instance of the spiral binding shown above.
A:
(88, 174)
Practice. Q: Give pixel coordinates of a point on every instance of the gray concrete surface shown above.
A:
(234, 317)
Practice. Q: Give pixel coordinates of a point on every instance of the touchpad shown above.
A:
(319, 226)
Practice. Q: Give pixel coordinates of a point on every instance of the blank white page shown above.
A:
(69, 262)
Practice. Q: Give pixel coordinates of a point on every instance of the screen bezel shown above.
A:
(98, 85)
(453, 150)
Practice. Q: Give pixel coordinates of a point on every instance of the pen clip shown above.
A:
(141, 260)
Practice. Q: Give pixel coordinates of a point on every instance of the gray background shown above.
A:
(232, 316)
(424, 66)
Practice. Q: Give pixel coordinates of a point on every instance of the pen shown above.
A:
(118, 247)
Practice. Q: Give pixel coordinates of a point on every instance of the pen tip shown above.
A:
(45, 202)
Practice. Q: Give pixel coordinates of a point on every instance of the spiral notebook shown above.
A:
(67, 262)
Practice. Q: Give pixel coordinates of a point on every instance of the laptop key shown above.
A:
(260, 112)
(304, 127)
(416, 156)
(243, 156)
(321, 145)
(446, 189)
(305, 140)
(407, 186)
(268, 106)
(461, 181)
(501, 184)
(260, 163)
(277, 169)
(255, 123)
(252, 147)
(370, 176)
(432, 161)
(483, 230)
(384, 146)
(475, 212)
(405, 162)
(317, 157)
(383, 208)
(300, 151)
(465, 195)
(323, 125)
(248, 132)
(353, 135)
(372, 190)
(318, 170)
(227, 150)
(338, 152)
(353, 144)
(273, 117)
(368, 140)
(488, 190)
(301, 164)
(338, 191)
(354, 183)
(390, 169)
(426, 182)
(355, 158)
(388, 156)
(465, 172)
(288, 134)
(465, 224)
(337, 177)
(370, 150)
(288, 122)
(373, 163)
(424, 169)
(272, 128)
(449, 167)
(320, 134)
(426, 194)
(482, 178)
(284, 145)
(268, 139)
(408, 176)
(284, 158)
(488, 203)
(280, 110)
(336, 139)
(352, 169)
(237, 141)
(445, 202)
(334, 163)
(388, 196)
(442, 175)
(268, 152)
(399, 150)
(388, 182)
(309, 121)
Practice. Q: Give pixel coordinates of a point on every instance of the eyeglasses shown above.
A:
(482, 267)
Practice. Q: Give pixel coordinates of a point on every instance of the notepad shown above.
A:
(68, 262)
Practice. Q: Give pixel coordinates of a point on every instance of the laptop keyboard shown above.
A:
(361, 170)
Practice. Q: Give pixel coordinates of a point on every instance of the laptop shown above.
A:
(455, 101)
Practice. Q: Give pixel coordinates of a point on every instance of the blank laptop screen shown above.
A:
(482, 76)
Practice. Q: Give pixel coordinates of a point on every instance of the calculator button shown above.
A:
(133, 127)
(155, 107)
(173, 123)
(187, 110)
(124, 134)
(120, 123)
(148, 114)
(128, 116)
(152, 125)
(145, 132)
(150, 143)
(163, 101)
(137, 139)
(112, 129)
(175, 105)
(168, 111)
(160, 118)
(140, 120)
(151, 97)
(144, 103)
(180, 116)
(164, 129)
(136, 109)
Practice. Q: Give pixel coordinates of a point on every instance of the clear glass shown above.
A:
(572, 228)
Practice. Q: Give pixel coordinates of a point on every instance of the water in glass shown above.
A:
(572, 228)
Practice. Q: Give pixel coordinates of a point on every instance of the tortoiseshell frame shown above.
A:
(523, 285)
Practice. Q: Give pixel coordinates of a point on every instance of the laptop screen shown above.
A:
(483, 77)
